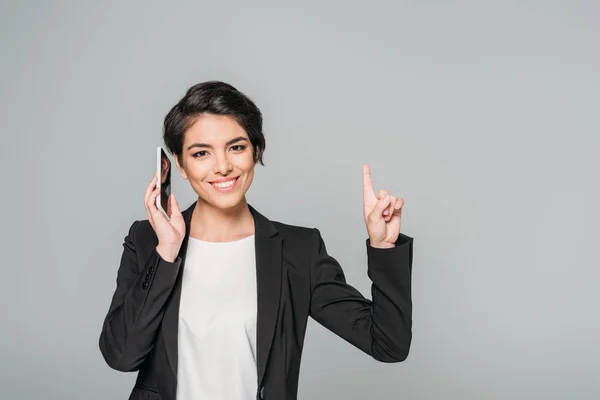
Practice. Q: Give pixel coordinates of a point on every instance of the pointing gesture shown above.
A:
(382, 213)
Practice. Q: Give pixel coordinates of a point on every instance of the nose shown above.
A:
(222, 165)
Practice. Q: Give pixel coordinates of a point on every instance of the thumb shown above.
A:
(380, 207)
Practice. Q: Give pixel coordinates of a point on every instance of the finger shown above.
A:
(399, 204)
(150, 188)
(149, 209)
(397, 210)
(380, 208)
(390, 209)
(381, 194)
(367, 183)
(173, 206)
(154, 213)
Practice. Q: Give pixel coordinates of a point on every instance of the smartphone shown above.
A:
(163, 172)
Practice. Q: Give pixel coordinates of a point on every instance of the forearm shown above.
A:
(390, 272)
(131, 325)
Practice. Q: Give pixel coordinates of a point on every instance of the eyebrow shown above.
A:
(232, 141)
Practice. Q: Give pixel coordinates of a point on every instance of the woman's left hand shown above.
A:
(382, 213)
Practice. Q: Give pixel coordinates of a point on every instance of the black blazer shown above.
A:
(295, 278)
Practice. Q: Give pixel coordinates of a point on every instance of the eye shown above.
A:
(199, 154)
(238, 147)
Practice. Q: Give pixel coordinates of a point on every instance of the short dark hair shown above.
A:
(218, 98)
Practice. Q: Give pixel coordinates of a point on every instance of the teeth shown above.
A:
(224, 185)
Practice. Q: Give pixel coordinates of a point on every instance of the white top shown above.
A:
(217, 321)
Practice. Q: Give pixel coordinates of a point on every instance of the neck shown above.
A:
(212, 224)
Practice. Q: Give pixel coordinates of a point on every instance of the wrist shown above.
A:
(381, 245)
(167, 253)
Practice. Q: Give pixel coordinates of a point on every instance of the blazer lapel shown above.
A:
(268, 251)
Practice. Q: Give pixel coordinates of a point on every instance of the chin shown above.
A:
(228, 204)
(225, 204)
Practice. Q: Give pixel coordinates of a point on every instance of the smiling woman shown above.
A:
(218, 158)
(214, 303)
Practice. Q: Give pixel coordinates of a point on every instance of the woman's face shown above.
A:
(217, 158)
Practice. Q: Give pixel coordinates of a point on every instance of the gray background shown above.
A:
(482, 115)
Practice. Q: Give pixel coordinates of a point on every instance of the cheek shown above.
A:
(250, 171)
(249, 178)
(247, 165)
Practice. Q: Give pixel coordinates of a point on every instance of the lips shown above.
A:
(224, 185)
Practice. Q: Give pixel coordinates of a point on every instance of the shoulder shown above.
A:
(290, 233)
(140, 231)
(299, 243)
(300, 238)
(294, 232)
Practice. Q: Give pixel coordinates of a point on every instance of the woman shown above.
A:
(213, 303)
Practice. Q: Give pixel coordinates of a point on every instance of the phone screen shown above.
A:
(165, 179)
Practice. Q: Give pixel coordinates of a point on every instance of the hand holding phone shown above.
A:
(163, 171)
(163, 210)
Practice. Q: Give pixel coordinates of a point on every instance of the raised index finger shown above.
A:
(367, 183)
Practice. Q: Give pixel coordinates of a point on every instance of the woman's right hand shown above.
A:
(170, 233)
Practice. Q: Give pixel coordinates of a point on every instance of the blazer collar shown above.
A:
(268, 253)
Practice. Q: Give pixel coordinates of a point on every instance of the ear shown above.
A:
(180, 168)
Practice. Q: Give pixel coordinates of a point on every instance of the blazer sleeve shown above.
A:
(381, 327)
(137, 307)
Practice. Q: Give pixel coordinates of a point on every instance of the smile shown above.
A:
(226, 185)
